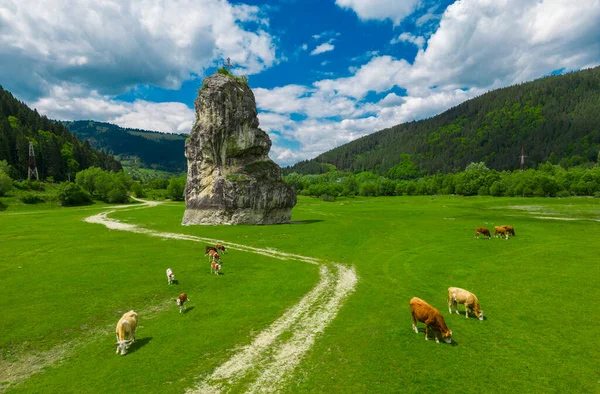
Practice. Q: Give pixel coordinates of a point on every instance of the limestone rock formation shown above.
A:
(231, 179)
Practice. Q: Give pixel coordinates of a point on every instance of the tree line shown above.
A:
(548, 180)
(58, 153)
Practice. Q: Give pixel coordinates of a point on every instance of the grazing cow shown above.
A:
(170, 276)
(220, 247)
(460, 296)
(213, 255)
(181, 300)
(501, 231)
(425, 313)
(510, 230)
(126, 331)
(484, 231)
(209, 248)
(216, 267)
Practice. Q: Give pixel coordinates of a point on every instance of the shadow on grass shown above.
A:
(305, 221)
(138, 343)
(175, 281)
(186, 310)
(432, 337)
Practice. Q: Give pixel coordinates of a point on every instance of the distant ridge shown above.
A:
(555, 118)
(134, 147)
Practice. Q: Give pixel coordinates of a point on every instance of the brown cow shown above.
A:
(425, 313)
(126, 331)
(483, 231)
(209, 248)
(457, 296)
(181, 300)
(213, 255)
(499, 230)
(220, 247)
(215, 266)
(509, 229)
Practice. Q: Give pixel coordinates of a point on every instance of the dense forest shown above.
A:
(135, 148)
(554, 119)
(58, 153)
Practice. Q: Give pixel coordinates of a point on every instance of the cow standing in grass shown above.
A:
(461, 296)
(126, 331)
(181, 300)
(509, 229)
(483, 231)
(170, 276)
(213, 255)
(425, 313)
(215, 267)
(220, 248)
(500, 231)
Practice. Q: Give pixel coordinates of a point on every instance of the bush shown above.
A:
(70, 193)
(327, 197)
(117, 195)
(563, 193)
(176, 188)
(6, 184)
(31, 199)
(137, 190)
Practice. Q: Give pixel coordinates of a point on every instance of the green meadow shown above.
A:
(64, 284)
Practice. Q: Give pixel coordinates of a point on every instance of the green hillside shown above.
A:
(57, 151)
(554, 119)
(135, 148)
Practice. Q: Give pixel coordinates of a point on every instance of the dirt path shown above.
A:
(266, 361)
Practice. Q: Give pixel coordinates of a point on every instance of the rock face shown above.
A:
(231, 179)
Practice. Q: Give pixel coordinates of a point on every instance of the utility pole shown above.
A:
(522, 157)
(32, 166)
(228, 64)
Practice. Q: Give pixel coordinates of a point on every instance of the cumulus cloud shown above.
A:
(407, 37)
(71, 102)
(325, 47)
(110, 45)
(480, 45)
(394, 10)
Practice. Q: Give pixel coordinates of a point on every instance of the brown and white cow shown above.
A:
(170, 276)
(215, 267)
(221, 248)
(500, 231)
(126, 331)
(209, 248)
(213, 255)
(457, 296)
(425, 313)
(484, 231)
(181, 300)
(509, 229)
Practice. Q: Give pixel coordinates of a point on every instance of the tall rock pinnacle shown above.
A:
(231, 179)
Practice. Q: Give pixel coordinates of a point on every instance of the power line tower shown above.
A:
(228, 64)
(32, 166)
(522, 157)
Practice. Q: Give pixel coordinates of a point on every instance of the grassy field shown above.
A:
(65, 283)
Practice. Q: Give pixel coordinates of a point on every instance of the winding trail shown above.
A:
(268, 361)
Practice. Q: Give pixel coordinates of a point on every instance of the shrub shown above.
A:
(327, 197)
(5, 183)
(117, 195)
(563, 193)
(31, 199)
(70, 193)
(137, 190)
(176, 188)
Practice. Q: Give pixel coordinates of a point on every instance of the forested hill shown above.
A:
(556, 119)
(135, 148)
(57, 151)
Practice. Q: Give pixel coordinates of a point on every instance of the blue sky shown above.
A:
(323, 72)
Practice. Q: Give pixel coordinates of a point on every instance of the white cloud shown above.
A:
(70, 102)
(110, 45)
(407, 37)
(325, 47)
(394, 10)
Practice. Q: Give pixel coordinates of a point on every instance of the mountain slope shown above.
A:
(556, 118)
(57, 151)
(136, 148)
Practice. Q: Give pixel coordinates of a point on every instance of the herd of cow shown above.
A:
(499, 231)
(420, 310)
(128, 322)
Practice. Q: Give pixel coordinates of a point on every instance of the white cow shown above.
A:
(126, 331)
(170, 276)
